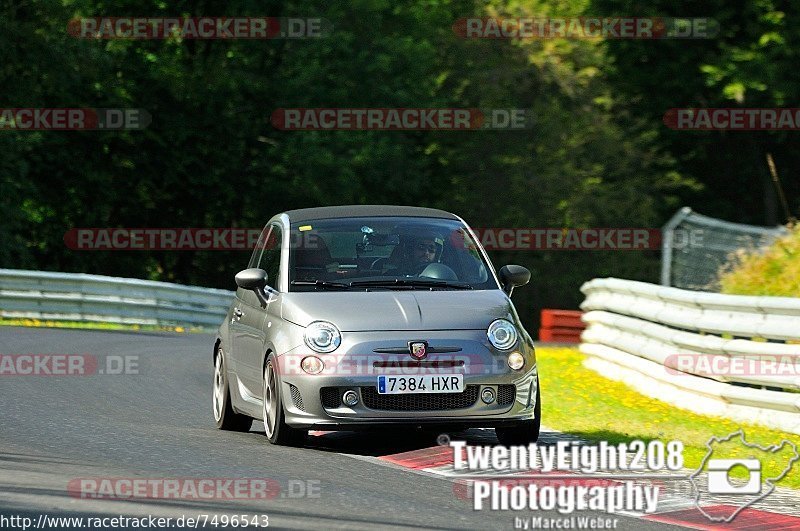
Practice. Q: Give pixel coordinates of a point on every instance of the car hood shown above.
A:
(398, 310)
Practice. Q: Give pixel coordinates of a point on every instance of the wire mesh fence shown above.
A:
(697, 247)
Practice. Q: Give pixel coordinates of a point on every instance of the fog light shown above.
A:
(516, 361)
(312, 365)
(350, 398)
(487, 395)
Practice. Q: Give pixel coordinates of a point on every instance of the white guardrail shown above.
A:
(643, 334)
(94, 298)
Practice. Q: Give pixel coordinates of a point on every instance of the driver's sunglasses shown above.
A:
(428, 248)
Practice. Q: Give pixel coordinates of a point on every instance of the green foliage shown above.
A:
(751, 63)
(773, 271)
(597, 155)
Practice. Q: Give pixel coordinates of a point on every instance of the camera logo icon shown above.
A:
(719, 480)
(716, 481)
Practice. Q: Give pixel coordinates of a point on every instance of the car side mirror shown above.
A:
(514, 276)
(254, 280)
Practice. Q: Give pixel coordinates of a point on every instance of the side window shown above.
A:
(256, 256)
(270, 260)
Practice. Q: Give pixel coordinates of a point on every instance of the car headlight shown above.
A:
(322, 336)
(502, 334)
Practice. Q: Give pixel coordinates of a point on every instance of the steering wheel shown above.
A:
(438, 271)
(378, 263)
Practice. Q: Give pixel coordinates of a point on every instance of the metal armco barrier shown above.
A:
(561, 326)
(94, 298)
(644, 334)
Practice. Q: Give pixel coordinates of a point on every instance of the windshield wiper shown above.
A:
(413, 282)
(321, 284)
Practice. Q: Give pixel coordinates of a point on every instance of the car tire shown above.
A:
(224, 415)
(527, 431)
(275, 427)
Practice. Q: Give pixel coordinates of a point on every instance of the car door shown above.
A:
(238, 327)
(252, 331)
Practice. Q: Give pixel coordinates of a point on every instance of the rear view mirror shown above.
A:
(513, 276)
(254, 280)
(382, 240)
(377, 239)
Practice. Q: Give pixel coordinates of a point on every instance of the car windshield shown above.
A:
(385, 253)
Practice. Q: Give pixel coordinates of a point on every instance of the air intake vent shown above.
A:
(419, 402)
(330, 397)
(506, 394)
(296, 398)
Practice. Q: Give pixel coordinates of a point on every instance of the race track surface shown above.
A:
(158, 424)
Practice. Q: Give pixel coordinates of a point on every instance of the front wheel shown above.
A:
(527, 431)
(275, 427)
(224, 415)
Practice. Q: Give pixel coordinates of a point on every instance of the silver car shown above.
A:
(352, 317)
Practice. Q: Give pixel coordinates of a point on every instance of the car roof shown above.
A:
(365, 211)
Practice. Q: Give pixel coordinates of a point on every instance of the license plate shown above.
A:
(429, 383)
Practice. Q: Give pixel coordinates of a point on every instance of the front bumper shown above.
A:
(309, 399)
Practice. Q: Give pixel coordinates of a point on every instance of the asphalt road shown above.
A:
(158, 424)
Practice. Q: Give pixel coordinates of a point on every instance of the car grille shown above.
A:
(296, 398)
(506, 394)
(330, 397)
(419, 402)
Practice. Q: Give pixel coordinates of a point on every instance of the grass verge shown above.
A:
(38, 323)
(773, 271)
(580, 401)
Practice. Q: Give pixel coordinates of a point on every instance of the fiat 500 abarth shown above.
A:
(352, 317)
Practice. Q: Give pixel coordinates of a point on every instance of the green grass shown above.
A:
(580, 401)
(37, 323)
(774, 271)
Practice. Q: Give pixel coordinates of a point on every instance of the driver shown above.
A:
(424, 249)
